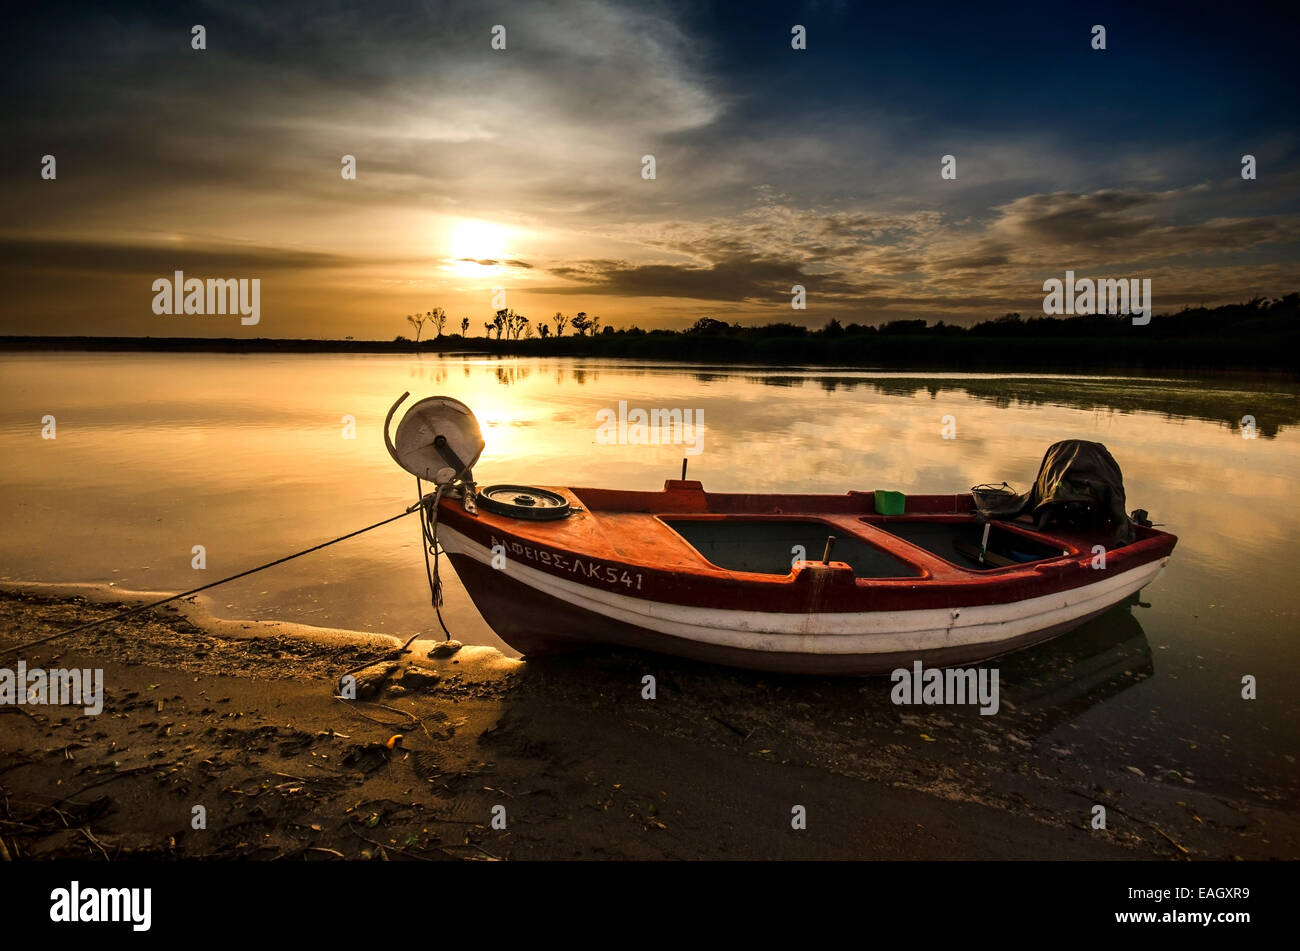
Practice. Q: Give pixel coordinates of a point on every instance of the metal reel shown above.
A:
(438, 439)
(523, 501)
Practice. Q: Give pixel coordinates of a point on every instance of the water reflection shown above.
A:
(1273, 408)
(1275, 405)
(1041, 689)
(248, 456)
(1056, 682)
(852, 725)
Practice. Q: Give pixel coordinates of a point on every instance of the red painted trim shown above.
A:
(616, 541)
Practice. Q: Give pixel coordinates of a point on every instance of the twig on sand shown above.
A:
(384, 706)
(1146, 822)
(348, 704)
(23, 825)
(410, 716)
(390, 848)
(391, 655)
(95, 842)
(469, 845)
(291, 776)
(382, 659)
(308, 848)
(321, 848)
(108, 779)
(734, 729)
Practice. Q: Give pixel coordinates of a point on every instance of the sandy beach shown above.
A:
(560, 758)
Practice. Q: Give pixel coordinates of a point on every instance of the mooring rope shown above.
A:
(418, 506)
(429, 531)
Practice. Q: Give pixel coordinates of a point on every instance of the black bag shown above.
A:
(1079, 485)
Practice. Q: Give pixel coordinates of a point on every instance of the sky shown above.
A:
(520, 171)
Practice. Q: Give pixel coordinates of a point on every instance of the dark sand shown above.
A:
(240, 718)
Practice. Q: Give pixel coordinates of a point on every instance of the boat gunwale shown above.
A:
(998, 585)
(655, 613)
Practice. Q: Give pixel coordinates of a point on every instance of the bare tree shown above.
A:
(560, 321)
(487, 329)
(438, 317)
(464, 326)
(515, 324)
(416, 321)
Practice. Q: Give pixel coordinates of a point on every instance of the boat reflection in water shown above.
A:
(847, 719)
(1045, 687)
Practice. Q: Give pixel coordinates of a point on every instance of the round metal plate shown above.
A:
(523, 501)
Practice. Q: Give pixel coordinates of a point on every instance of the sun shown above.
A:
(476, 243)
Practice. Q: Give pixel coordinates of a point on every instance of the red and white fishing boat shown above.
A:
(711, 576)
(753, 580)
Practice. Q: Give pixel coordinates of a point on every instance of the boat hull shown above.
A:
(538, 612)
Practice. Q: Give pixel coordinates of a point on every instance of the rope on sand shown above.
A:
(418, 506)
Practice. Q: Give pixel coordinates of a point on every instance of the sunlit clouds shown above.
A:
(481, 169)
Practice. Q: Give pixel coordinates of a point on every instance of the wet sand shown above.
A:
(240, 718)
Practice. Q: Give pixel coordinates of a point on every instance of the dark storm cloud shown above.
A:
(158, 259)
(736, 278)
(412, 88)
(1134, 223)
(1071, 219)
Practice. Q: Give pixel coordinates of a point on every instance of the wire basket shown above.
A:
(992, 500)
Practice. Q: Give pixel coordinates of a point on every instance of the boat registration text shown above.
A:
(582, 567)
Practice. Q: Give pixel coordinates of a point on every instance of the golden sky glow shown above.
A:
(522, 168)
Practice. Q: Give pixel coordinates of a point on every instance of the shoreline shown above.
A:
(239, 717)
(1165, 354)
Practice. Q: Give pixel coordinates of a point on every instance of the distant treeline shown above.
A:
(1261, 334)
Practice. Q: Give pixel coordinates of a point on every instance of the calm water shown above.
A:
(245, 455)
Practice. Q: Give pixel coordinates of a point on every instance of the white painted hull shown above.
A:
(844, 642)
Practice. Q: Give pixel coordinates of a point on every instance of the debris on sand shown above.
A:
(371, 681)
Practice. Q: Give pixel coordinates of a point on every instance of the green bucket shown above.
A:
(889, 503)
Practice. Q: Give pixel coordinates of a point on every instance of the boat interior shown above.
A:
(768, 546)
(960, 541)
(939, 535)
